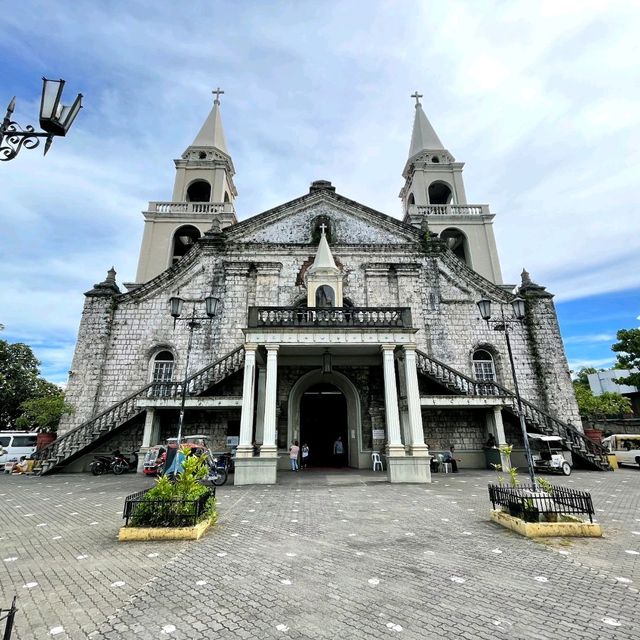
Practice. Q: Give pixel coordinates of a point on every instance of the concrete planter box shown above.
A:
(567, 526)
(127, 534)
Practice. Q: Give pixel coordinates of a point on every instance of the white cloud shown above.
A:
(538, 100)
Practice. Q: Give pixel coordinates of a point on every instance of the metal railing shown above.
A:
(591, 451)
(8, 615)
(360, 317)
(117, 414)
(528, 503)
(174, 512)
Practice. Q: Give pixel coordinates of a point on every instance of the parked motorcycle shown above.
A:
(117, 463)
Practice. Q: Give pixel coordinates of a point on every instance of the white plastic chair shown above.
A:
(375, 459)
(445, 465)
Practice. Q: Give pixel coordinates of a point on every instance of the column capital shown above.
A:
(387, 347)
(409, 349)
(250, 346)
(272, 347)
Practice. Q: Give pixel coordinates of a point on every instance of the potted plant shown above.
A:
(43, 415)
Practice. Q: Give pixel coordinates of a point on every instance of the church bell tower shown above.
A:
(434, 194)
(203, 195)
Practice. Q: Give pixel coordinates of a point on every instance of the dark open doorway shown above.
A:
(323, 417)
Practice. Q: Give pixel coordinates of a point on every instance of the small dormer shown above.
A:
(324, 279)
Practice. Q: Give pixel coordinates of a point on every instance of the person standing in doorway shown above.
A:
(338, 451)
(305, 455)
(294, 450)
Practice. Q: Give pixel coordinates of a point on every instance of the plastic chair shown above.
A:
(445, 465)
(375, 459)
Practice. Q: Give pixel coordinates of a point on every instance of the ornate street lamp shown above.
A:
(55, 118)
(505, 324)
(212, 305)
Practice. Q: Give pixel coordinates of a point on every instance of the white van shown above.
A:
(625, 447)
(15, 444)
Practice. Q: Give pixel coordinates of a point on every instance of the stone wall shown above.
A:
(384, 264)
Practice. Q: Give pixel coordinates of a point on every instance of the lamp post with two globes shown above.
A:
(176, 304)
(504, 324)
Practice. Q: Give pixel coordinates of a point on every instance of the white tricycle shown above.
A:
(549, 454)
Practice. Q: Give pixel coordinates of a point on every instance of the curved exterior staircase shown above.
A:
(594, 454)
(77, 441)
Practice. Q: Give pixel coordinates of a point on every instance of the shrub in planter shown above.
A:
(174, 504)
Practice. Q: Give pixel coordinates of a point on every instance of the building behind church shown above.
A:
(332, 320)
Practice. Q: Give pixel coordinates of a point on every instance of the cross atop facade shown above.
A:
(217, 94)
(323, 228)
(417, 96)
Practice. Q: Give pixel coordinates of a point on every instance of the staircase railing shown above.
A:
(537, 418)
(84, 434)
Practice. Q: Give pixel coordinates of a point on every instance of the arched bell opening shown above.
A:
(183, 239)
(199, 191)
(457, 242)
(440, 193)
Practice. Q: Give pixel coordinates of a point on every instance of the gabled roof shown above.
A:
(317, 198)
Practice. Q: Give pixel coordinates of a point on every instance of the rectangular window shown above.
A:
(4, 441)
(24, 441)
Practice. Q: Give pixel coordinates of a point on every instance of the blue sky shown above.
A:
(540, 100)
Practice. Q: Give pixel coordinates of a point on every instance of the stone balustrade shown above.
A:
(449, 210)
(191, 207)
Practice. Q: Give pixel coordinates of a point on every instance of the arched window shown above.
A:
(162, 375)
(226, 197)
(439, 193)
(325, 296)
(411, 199)
(484, 371)
(183, 239)
(199, 191)
(457, 242)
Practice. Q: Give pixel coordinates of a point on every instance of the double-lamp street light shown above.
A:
(55, 120)
(176, 304)
(505, 324)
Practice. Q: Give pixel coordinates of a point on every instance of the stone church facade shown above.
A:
(332, 319)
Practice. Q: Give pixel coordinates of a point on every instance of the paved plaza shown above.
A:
(320, 555)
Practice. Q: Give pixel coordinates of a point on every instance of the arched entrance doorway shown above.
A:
(335, 381)
(323, 419)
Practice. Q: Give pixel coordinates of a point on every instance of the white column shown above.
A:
(392, 415)
(269, 448)
(413, 403)
(498, 425)
(262, 387)
(405, 430)
(149, 436)
(245, 447)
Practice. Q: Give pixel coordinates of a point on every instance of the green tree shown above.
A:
(43, 414)
(602, 406)
(628, 350)
(20, 381)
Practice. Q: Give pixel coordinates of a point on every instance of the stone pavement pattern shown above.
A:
(318, 556)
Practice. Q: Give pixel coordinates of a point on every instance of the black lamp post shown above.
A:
(55, 118)
(212, 305)
(504, 324)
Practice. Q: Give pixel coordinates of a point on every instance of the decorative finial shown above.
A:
(526, 278)
(417, 96)
(217, 93)
(111, 276)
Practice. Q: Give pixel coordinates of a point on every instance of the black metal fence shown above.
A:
(8, 616)
(526, 503)
(165, 513)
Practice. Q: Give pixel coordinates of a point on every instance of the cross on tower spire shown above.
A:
(217, 94)
(417, 96)
(323, 228)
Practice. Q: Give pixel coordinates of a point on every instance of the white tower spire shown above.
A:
(423, 136)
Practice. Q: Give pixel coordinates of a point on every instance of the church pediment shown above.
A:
(348, 223)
